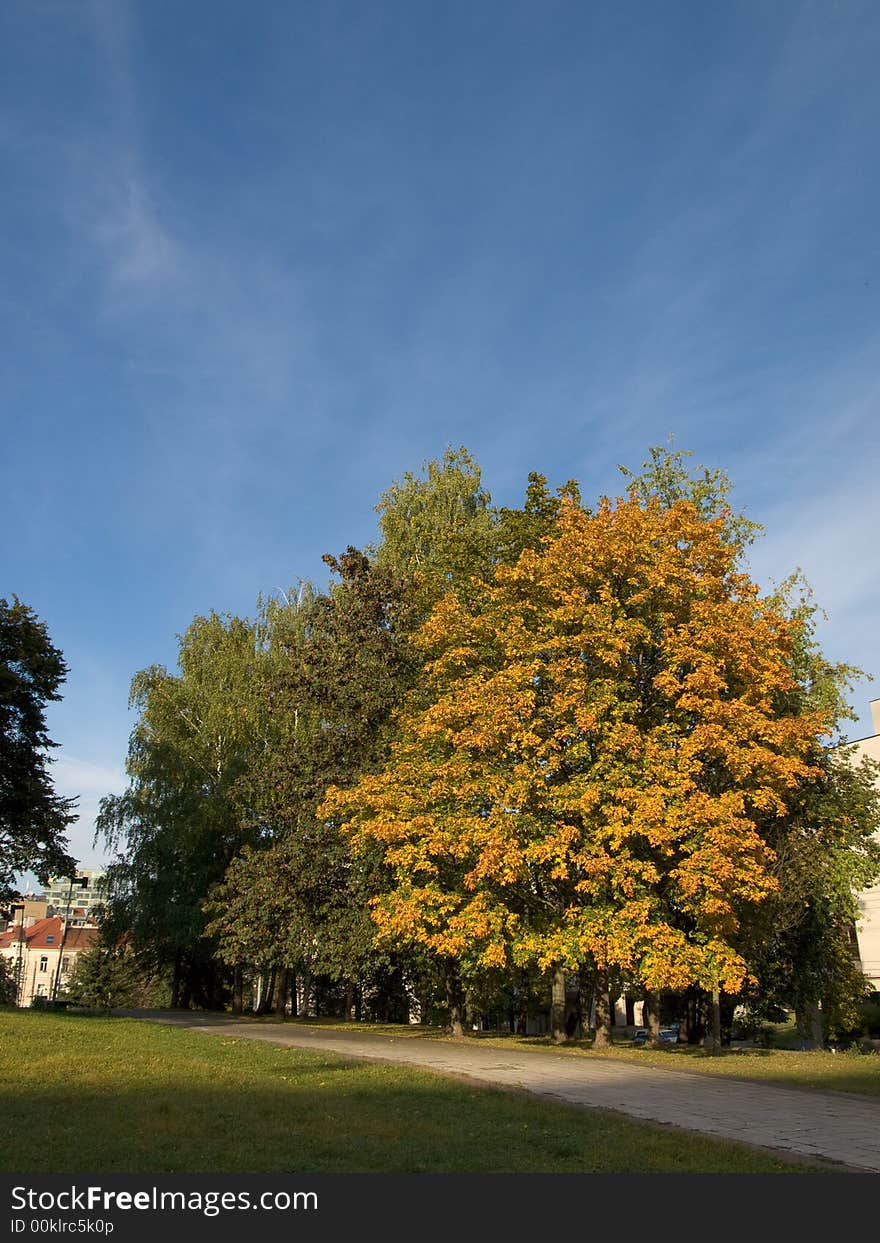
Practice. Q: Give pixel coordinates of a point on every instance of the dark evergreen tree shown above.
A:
(103, 977)
(33, 818)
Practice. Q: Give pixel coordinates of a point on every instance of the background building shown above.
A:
(868, 927)
(41, 952)
(78, 903)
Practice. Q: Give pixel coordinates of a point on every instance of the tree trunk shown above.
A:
(425, 1002)
(692, 1027)
(522, 1021)
(727, 1009)
(294, 991)
(306, 994)
(219, 994)
(264, 996)
(604, 1013)
(348, 1003)
(186, 983)
(557, 1006)
(586, 986)
(454, 999)
(652, 1017)
(809, 1024)
(713, 1040)
(237, 989)
(281, 993)
(175, 983)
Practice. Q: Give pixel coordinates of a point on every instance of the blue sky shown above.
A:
(260, 259)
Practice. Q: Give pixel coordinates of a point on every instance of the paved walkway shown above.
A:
(827, 1125)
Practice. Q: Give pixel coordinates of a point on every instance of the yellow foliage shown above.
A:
(604, 736)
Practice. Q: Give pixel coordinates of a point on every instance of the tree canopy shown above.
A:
(295, 899)
(506, 749)
(33, 818)
(181, 820)
(604, 734)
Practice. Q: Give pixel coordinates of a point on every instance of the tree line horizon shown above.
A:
(506, 751)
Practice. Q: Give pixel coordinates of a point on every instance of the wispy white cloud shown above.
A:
(141, 255)
(113, 198)
(250, 365)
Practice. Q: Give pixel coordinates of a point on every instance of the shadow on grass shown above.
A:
(138, 1098)
(340, 1118)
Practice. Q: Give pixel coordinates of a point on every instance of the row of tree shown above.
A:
(504, 751)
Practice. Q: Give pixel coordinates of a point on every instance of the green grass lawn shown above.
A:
(102, 1094)
(828, 1072)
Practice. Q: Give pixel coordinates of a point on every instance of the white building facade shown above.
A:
(868, 926)
(41, 953)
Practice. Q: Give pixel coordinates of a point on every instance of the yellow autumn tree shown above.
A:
(582, 776)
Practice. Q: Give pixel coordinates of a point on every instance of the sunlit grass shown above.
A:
(822, 1070)
(849, 1071)
(102, 1094)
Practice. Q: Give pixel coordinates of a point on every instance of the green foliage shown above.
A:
(227, 864)
(103, 977)
(800, 943)
(868, 1018)
(440, 533)
(822, 685)
(182, 820)
(33, 818)
(665, 476)
(8, 986)
(336, 668)
(436, 530)
(518, 529)
(300, 903)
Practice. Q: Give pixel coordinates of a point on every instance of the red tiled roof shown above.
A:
(37, 933)
(37, 936)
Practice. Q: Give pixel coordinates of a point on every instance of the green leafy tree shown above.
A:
(800, 946)
(8, 985)
(439, 531)
(296, 910)
(181, 820)
(518, 529)
(33, 818)
(336, 666)
(436, 531)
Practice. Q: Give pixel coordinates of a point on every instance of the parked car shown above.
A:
(668, 1035)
